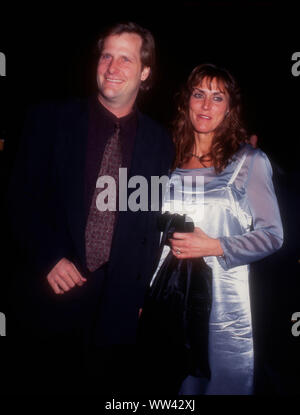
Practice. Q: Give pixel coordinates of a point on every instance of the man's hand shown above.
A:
(64, 276)
(253, 139)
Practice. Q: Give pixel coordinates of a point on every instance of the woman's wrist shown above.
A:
(217, 248)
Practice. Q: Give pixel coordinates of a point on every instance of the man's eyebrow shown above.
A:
(122, 54)
(128, 55)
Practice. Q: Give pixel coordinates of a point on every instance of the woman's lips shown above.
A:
(203, 117)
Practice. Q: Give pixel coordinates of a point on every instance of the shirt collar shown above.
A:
(109, 117)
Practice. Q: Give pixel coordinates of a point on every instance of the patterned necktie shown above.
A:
(100, 224)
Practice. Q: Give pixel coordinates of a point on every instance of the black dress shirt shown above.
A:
(100, 127)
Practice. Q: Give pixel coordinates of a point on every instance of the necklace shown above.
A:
(195, 155)
(199, 158)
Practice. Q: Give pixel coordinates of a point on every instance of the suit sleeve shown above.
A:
(31, 193)
(266, 236)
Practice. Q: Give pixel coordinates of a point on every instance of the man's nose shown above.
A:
(112, 67)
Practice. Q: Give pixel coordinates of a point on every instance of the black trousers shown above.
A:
(50, 347)
(48, 334)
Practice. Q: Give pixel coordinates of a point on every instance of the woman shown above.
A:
(235, 211)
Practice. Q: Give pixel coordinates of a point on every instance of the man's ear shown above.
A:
(145, 73)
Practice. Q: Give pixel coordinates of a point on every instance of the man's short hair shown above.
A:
(147, 48)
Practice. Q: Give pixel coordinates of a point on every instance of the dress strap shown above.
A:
(237, 169)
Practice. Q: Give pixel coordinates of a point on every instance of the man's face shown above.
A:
(120, 72)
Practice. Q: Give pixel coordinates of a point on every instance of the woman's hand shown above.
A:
(195, 244)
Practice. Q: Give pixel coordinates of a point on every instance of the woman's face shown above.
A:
(208, 106)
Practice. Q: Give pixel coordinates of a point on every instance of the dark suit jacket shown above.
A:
(275, 296)
(48, 215)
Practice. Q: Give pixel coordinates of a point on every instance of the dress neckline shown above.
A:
(234, 160)
(196, 168)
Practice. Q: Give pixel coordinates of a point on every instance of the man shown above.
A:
(93, 280)
(275, 287)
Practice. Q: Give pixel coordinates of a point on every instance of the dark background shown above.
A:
(50, 54)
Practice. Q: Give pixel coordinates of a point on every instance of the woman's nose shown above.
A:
(206, 103)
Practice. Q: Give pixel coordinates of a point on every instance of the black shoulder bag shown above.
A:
(177, 305)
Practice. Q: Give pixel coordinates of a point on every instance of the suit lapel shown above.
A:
(131, 225)
(141, 160)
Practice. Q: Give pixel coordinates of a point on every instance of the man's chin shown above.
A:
(111, 93)
(109, 100)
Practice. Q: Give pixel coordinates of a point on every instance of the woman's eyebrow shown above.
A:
(215, 92)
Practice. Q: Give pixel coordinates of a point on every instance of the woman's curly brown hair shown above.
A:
(228, 135)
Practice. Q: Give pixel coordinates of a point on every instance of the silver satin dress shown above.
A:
(239, 207)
